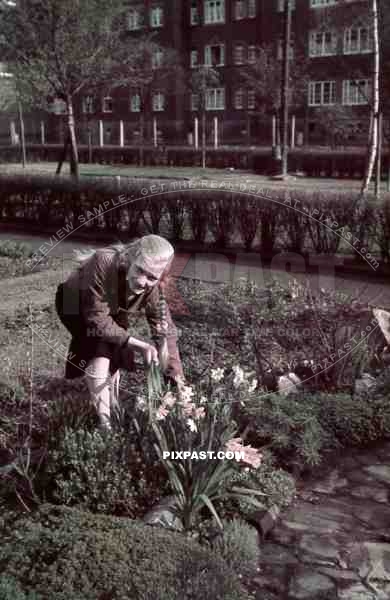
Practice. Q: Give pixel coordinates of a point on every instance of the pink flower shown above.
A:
(169, 399)
(161, 413)
(200, 413)
(250, 456)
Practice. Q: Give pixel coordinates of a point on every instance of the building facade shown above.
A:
(333, 37)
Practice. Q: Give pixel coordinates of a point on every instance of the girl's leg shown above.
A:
(99, 385)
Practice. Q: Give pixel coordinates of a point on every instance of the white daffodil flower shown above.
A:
(252, 386)
(217, 374)
(238, 376)
(192, 425)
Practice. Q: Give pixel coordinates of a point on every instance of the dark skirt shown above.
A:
(84, 347)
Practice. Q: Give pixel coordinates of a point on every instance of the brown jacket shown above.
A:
(104, 302)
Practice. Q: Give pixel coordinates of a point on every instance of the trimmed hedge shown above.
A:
(60, 553)
(228, 213)
(314, 163)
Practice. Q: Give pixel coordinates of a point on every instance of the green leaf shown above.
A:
(211, 508)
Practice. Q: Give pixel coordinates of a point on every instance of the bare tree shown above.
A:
(202, 79)
(145, 67)
(56, 49)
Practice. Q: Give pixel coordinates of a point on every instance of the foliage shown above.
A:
(101, 472)
(14, 249)
(61, 554)
(237, 544)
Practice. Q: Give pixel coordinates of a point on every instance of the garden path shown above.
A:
(333, 542)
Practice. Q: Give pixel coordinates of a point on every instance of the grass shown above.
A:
(298, 183)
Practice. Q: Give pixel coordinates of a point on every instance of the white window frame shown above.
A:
(135, 102)
(280, 7)
(351, 94)
(239, 10)
(215, 98)
(320, 3)
(313, 86)
(156, 16)
(106, 99)
(208, 55)
(158, 102)
(322, 48)
(214, 11)
(252, 54)
(194, 59)
(194, 13)
(239, 99)
(157, 58)
(88, 105)
(252, 9)
(251, 99)
(348, 49)
(134, 19)
(239, 54)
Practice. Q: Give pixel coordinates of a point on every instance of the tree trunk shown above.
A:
(285, 84)
(74, 159)
(63, 154)
(141, 138)
(22, 134)
(373, 139)
(203, 140)
(379, 159)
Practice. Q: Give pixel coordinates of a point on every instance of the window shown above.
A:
(322, 43)
(194, 59)
(158, 101)
(239, 54)
(58, 107)
(315, 3)
(157, 58)
(194, 102)
(215, 99)
(239, 99)
(194, 19)
(357, 40)
(134, 19)
(239, 9)
(281, 5)
(87, 105)
(214, 11)
(280, 49)
(252, 55)
(156, 16)
(251, 9)
(107, 104)
(135, 102)
(356, 91)
(322, 93)
(251, 99)
(214, 56)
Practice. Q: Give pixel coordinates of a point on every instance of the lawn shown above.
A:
(293, 182)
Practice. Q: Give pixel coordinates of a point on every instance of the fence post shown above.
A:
(155, 132)
(121, 134)
(196, 129)
(43, 133)
(13, 134)
(215, 132)
(273, 131)
(101, 134)
(292, 145)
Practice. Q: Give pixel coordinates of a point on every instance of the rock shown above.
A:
(371, 559)
(163, 515)
(380, 472)
(365, 384)
(356, 592)
(383, 318)
(373, 493)
(287, 384)
(321, 547)
(331, 483)
(310, 585)
(265, 520)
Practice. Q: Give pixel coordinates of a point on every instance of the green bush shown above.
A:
(14, 249)
(238, 544)
(64, 554)
(102, 472)
(10, 590)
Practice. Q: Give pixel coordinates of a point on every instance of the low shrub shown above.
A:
(65, 554)
(15, 249)
(237, 544)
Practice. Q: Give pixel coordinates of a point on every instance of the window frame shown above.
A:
(86, 104)
(280, 6)
(138, 21)
(211, 12)
(160, 106)
(208, 55)
(359, 50)
(251, 95)
(104, 109)
(314, 33)
(365, 96)
(322, 83)
(158, 9)
(239, 93)
(214, 92)
(322, 3)
(133, 96)
(243, 58)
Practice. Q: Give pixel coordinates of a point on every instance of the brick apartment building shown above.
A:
(334, 35)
